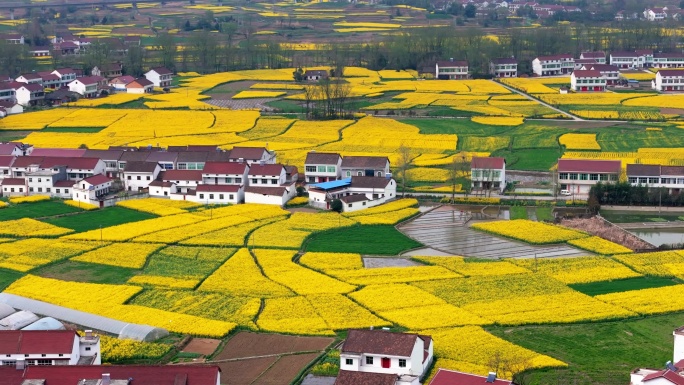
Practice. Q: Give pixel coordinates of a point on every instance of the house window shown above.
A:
(128, 177)
(603, 177)
(574, 176)
(359, 173)
(40, 189)
(349, 361)
(30, 189)
(87, 349)
(66, 190)
(148, 177)
(47, 189)
(122, 165)
(349, 205)
(220, 196)
(369, 360)
(593, 177)
(348, 173)
(274, 181)
(229, 180)
(321, 168)
(254, 181)
(379, 173)
(632, 179)
(331, 169)
(584, 176)
(402, 363)
(138, 177)
(652, 180)
(264, 181)
(238, 180)
(39, 180)
(230, 196)
(30, 179)
(182, 166)
(201, 196)
(21, 189)
(57, 191)
(61, 355)
(310, 168)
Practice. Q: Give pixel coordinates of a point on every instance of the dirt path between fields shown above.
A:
(569, 115)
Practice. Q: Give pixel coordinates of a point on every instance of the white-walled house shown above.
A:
(278, 195)
(673, 371)
(218, 194)
(322, 167)
(451, 69)
(553, 65)
(265, 175)
(365, 166)
(356, 193)
(381, 351)
(29, 94)
(88, 87)
(598, 56)
(47, 348)
(139, 175)
(488, 173)
(578, 175)
(183, 180)
(251, 155)
(610, 72)
(655, 14)
(159, 76)
(90, 190)
(225, 173)
(14, 187)
(587, 81)
(504, 67)
(67, 75)
(668, 80)
(140, 86)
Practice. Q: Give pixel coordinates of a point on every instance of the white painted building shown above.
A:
(504, 68)
(251, 155)
(668, 80)
(138, 175)
(183, 180)
(488, 173)
(225, 173)
(278, 195)
(14, 187)
(655, 14)
(91, 190)
(218, 194)
(29, 94)
(576, 176)
(365, 166)
(322, 167)
(159, 76)
(47, 348)
(451, 69)
(553, 65)
(609, 72)
(668, 60)
(587, 81)
(67, 75)
(598, 56)
(88, 87)
(356, 193)
(380, 351)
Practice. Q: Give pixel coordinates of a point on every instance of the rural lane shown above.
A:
(571, 116)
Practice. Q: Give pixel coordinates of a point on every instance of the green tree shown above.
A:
(336, 206)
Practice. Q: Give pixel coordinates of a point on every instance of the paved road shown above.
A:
(571, 116)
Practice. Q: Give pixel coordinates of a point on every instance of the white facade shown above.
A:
(90, 190)
(655, 14)
(83, 89)
(376, 194)
(276, 196)
(553, 65)
(86, 346)
(587, 81)
(27, 95)
(162, 79)
(213, 194)
(138, 180)
(451, 70)
(668, 81)
(316, 172)
(489, 179)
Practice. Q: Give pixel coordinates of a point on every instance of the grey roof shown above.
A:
(369, 182)
(6, 310)
(162, 156)
(92, 321)
(371, 162)
(643, 170)
(322, 158)
(104, 154)
(192, 156)
(134, 156)
(354, 198)
(140, 166)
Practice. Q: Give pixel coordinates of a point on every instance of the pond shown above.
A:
(620, 216)
(659, 237)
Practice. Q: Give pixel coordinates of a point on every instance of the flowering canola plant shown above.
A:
(27, 227)
(529, 231)
(131, 255)
(157, 206)
(579, 270)
(647, 301)
(599, 245)
(29, 199)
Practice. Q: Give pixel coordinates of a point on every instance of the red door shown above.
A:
(584, 88)
(597, 88)
(385, 362)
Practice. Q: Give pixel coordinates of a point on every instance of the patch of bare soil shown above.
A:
(599, 227)
(203, 346)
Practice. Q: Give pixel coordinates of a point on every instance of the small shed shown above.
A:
(47, 323)
(18, 320)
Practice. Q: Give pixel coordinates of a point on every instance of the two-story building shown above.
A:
(225, 173)
(30, 78)
(657, 176)
(66, 75)
(251, 155)
(668, 60)
(7, 92)
(587, 81)
(365, 166)
(576, 176)
(503, 67)
(451, 69)
(488, 173)
(109, 70)
(655, 14)
(160, 76)
(138, 175)
(322, 167)
(22, 348)
(92, 190)
(356, 192)
(88, 87)
(183, 180)
(632, 59)
(29, 94)
(668, 81)
(553, 65)
(381, 351)
(598, 56)
(268, 184)
(610, 72)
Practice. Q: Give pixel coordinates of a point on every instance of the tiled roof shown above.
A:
(139, 83)
(230, 188)
(13, 182)
(74, 163)
(190, 156)
(247, 153)
(25, 161)
(123, 79)
(162, 71)
(505, 60)
(452, 63)
(595, 55)
(322, 158)
(554, 57)
(97, 179)
(7, 148)
(587, 74)
(603, 67)
(346, 377)
(624, 54)
(64, 183)
(493, 163)
(59, 152)
(672, 170)
(275, 191)
(366, 341)
(153, 375)
(224, 168)
(667, 374)
(32, 87)
(451, 377)
(369, 181)
(671, 73)
(6, 160)
(370, 162)
(643, 170)
(33, 342)
(354, 198)
(140, 167)
(266, 169)
(134, 156)
(582, 165)
(161, 156)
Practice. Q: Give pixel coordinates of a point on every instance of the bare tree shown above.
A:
(404, 164)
